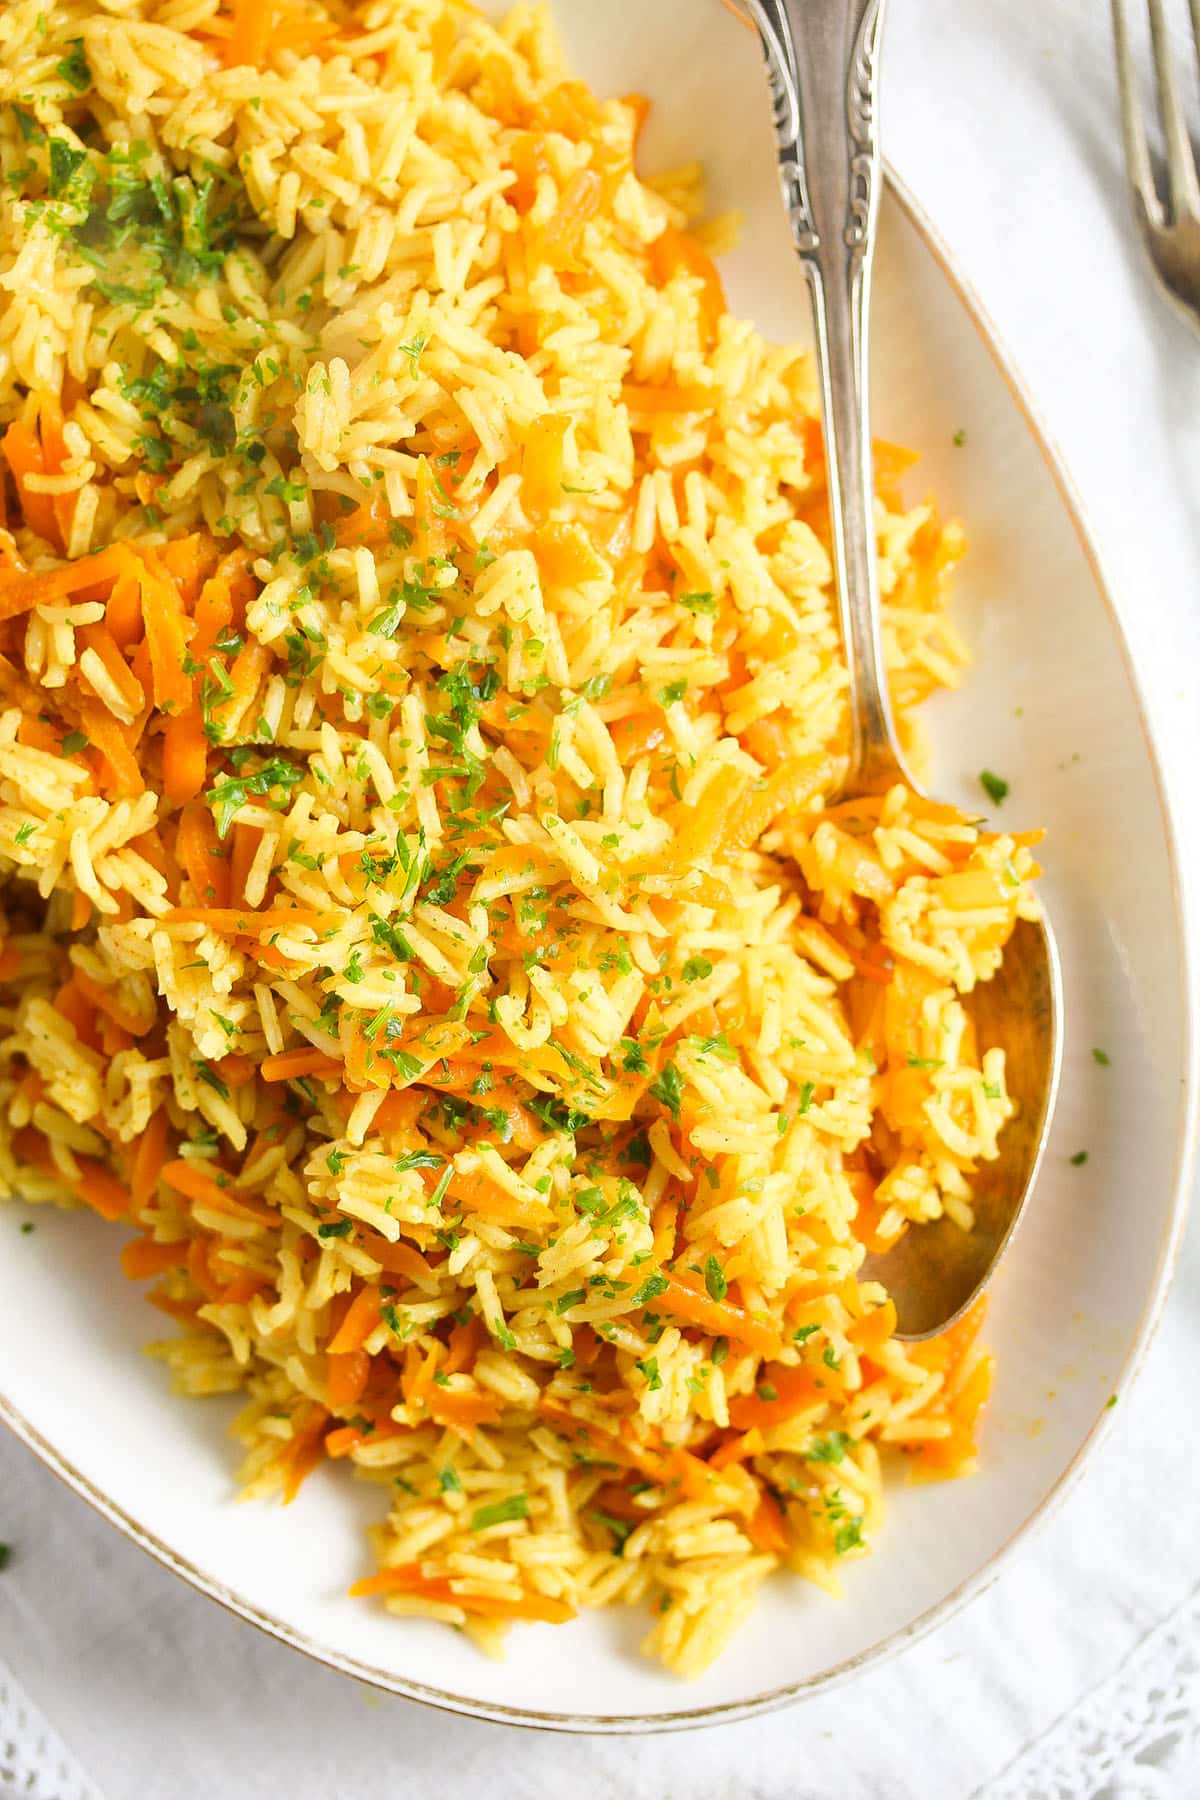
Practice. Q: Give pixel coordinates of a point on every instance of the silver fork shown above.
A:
(1170, 228)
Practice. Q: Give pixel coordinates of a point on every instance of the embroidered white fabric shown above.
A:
(1136, 1737)
(34, 1762)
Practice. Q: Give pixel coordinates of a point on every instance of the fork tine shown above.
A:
(1181, 164)
(1137, 155)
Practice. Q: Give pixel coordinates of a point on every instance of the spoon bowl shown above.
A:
(935, 1271)
(822, 61)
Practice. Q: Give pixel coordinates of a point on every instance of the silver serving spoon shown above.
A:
(822, 61)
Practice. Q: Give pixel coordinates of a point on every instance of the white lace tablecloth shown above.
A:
(1077, 1675)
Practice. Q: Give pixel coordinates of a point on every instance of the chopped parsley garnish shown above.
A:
(714, 1279)
(501, 1512)
(75, 69)
(417, 1159)
(994, 786)
(276, 776)
(620, 1528)
(849, 1537)
(339, 1228)
(65, 164)
(1079, 1158)
(1102, 1057)
(413, 352)
(650, 1288)
(73, 743)
(669, 1089)
(144, 229)
(831, 1449)
(211, 1079)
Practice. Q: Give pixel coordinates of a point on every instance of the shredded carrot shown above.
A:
(54, 453)
(678, 250)
(874, 1329)
(100, 639)
(205, 1190)
(70, 1002)
(782, 1393)
(767, 1528)
(25, 457)
(249, 41)
(143, 1258)
(249, 666)
(693, 399)
(542, 465)
(792, 785)
(200, 856)
(167, 634)
(123, 608)
(304, 1452)
(230, 921)
(100, 1189)
(188, 560)
(565, 554)
(108, 1000)
(148, 1159)
(454, 1406)
(360, 1321)
(185, 755)
(739, 1447)
(407, 1578)
(288, 1064)
(246, 840)
(464, 1344)
(113, 740)
(529, 160)
(417, 1378)
(719, 1317)
(345, 1379)
(10, 963)
(236, 1069)
(20, 593)
(478, 1194)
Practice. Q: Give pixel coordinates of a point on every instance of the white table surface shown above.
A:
(1001, 116)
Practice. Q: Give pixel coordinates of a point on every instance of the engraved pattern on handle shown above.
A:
(863, 125)
(822, 65)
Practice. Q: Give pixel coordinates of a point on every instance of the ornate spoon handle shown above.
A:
(822, 62)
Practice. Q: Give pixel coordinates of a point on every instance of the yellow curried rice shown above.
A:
(430, 920)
